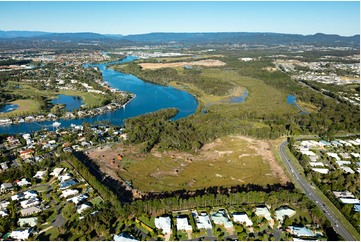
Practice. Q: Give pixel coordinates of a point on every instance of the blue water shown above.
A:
(149, 98)
(8, 108)
(292, 100)
(241, 98)
(71, 102)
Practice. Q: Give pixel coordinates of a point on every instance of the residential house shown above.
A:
(182, 223)
(300, 231)
(333, 155)
(262, 211)
(68, 183)
(40, 175)
(315, 164)
(26, 154)
(202, 220)
(4, 204)
(21, 234)
(34, 201)
(242, 218)
(56, 172)
(69, 192)
(78, 199)
(4, 213)
(321, 170)
(65, 177)
(345, 155)
(163, 223)
(283, 212)
(23, 182)
(82, 207)
(28, 211)
(4, 166)
(221, 218)
(18, 197)
(124, 237)
(5, 187)
(30, 194)
(347, 169)
(28, 222)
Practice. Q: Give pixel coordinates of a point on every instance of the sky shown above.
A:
(305, 17)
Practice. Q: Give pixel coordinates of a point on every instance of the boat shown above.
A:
(56, 124)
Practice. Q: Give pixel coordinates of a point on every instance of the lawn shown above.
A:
(26, 106)
(89, 99)
(29, 105)
(226, 162)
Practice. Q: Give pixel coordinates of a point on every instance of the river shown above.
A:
(149, 98)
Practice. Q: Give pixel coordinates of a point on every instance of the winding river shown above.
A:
(149, 98)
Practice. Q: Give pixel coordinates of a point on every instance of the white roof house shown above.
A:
(344, 194)
(313, 164)
(65, 177)
(163, 223)
(4, 204)
(40, 174)
(28, 221)
(284, 211)
(183, 224)
(242, 218)
(81, 208)
(30, 202)
(30, 193)
(320, 170)
(124, 237)
(28, 211)
(343, 162)
(301, 231)
(57, 171)
(347, 169)
(69, 192)
(6, 186)
(78, 199)
(20, 234)
(356, 155)
(17, 197)
(4, 213)
(203, 221)
(263, 212)
(345, 155)
(333, 155)
(349, 200)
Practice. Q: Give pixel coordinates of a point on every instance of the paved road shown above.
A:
(311, 194)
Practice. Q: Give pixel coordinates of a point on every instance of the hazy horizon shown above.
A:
(127, 18)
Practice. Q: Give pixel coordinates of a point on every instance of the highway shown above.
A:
(311, 194)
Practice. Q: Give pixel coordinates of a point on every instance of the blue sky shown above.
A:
(125, 18)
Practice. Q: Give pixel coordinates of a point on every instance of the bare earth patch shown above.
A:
(208, 63)
(228, 161)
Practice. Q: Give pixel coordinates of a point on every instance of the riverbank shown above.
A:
(68, 115)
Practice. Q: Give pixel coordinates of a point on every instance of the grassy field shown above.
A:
(263, 98)
(31, 106)
(89, 99)
(26, 106)
(228, 161)
(307, 106)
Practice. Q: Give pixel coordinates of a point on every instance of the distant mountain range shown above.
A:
(188, 38)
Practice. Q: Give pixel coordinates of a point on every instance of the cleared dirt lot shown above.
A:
(228, 161)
